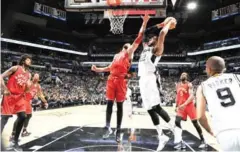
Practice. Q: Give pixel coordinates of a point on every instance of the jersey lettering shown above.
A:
(142, 57)
(21, 79)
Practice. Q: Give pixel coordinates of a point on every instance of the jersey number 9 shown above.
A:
(224, 94)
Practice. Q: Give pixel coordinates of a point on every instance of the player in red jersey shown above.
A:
(185, 107)
(14, 93)
(117, 84)
(34, 89)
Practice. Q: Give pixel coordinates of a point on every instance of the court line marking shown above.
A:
(58, 139)
(108, 146)
(188, 146)
(99, 145)
(79, 128)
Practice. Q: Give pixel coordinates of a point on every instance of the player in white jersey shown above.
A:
(150, 56)
(128, 102)
(221, 94)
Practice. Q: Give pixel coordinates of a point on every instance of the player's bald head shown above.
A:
(215, 64)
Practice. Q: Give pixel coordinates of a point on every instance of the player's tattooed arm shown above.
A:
(138, 40)
(7, 74)
(104, 69)
(201, 110)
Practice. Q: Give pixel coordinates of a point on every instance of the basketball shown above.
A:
(173, 22)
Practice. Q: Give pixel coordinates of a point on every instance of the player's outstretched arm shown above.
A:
(138, 40)
(158, 49)
(104, 69)
(201, 110)
(7, 74)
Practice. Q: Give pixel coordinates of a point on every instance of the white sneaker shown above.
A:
(202, 145)
(107, 133)
(163, 139)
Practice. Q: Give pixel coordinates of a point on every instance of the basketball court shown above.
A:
(81, 128)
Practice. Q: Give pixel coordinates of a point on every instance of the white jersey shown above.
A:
(147, 62)
(222, 94)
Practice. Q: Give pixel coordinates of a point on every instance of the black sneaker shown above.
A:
(14, 146)
(118, 136)
(107, 133)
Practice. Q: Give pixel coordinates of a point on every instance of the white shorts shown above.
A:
(149, 91)
(229, 140)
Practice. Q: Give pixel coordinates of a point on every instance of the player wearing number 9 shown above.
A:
(221, 93)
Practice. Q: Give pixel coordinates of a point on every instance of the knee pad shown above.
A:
(158, 109)
(154, 117)
(178, 122)
(21, 116)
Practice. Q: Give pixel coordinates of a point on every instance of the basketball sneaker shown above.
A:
(11, 139)
(14, 146)
(25, 133)
(118, 136)
(163, 139)
(107, 133)
(203, 145)
(180, 145)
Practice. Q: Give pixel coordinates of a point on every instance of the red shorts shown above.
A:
(13, 104)
(116, 89)
(189, 110)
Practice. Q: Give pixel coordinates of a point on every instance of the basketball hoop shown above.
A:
(114, 2)
(116, 17)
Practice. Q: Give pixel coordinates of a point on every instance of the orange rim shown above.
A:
(114, 2)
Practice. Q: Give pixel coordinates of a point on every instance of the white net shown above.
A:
(117, 19)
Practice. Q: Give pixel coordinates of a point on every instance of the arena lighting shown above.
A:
(214, 50)
(192, 5)
(135, 63)
(43, 46)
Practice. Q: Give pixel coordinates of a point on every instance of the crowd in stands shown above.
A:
(70, 90)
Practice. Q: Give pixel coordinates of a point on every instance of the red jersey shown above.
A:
(18, 80)
(182, 93)
(32, 91)
(120, 64)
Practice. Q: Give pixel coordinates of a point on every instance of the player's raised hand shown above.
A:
(93, 68)
(146, 18)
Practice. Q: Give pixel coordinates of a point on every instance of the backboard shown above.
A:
(101, 5)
